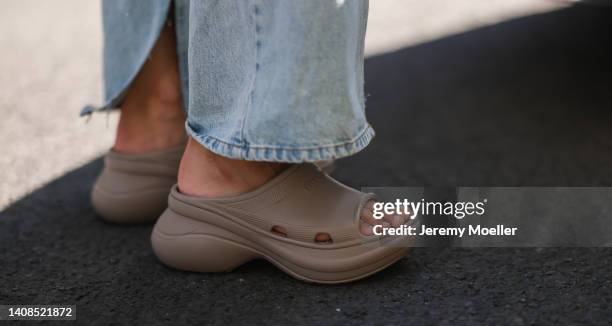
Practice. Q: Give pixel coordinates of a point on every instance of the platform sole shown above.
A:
(193, 245)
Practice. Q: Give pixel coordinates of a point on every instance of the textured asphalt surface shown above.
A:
(523, 102)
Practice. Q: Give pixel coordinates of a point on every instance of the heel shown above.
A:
(186, 244)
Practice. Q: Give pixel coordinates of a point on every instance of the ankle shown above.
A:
(203, 173)
(164, 104)
(149, 127)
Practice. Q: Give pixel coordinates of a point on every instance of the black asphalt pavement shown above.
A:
(523, 102)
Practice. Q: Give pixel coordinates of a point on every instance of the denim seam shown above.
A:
(256, 13)
(291, 155)
(344, 143)
(182, 41)
(285, 154)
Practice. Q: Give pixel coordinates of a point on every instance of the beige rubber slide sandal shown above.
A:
(134, 188)
(279, 222)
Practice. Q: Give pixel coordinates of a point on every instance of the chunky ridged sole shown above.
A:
(188, 244)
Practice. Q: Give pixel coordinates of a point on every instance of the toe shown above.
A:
(367, 220)
(393, 220)
(366, 229)
(367, 216)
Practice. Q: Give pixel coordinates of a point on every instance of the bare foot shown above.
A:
(368, 221)
(205, 174)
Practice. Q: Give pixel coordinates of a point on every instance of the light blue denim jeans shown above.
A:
(264, 80)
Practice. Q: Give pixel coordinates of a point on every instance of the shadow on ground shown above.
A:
(524, 102)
